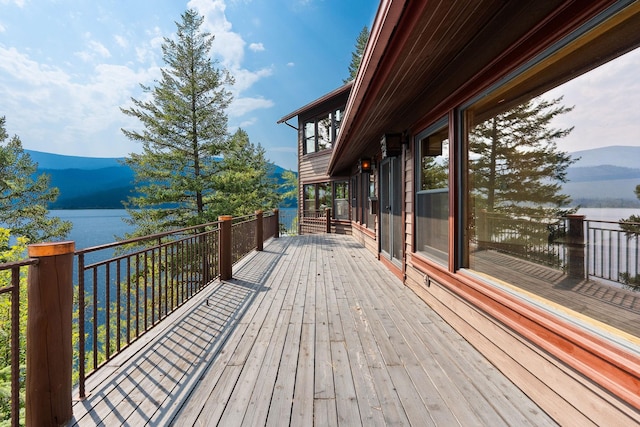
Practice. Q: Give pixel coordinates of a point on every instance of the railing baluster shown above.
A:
(118, 305)
(81, 328)
(15, 346)
(107, 311)
(95, 317)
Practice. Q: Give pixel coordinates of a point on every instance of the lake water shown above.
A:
(92, 227)
(608, 214)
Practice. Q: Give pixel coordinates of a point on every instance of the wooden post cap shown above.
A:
(51, 249)
(225, 218)
(259, 212)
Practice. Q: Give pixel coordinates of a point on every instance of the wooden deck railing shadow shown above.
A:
(165, 372)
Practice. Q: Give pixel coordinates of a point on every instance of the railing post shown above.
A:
(49, 323)
(276, 215)
(225, 249)
(575, 246)
(259, 231)
(327, 212)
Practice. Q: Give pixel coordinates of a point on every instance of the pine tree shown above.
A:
(289, 188)
(23, 196)
(631, 225)
(244, 183)
(185, 128)
(516, 166)
(356, 55)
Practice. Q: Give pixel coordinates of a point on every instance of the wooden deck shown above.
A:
(311, 331)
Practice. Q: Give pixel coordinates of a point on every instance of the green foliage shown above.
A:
(23, 200)
(356, 55)
(8, 254)
(631, 225)
(630, 282)
(434, 175)
(289, 188)
(244, 183)
(185, 128)
(516, 166)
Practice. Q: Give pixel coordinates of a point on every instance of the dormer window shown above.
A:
(321, 131)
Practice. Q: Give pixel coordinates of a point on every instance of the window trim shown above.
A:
(315, 119)
(438, 125)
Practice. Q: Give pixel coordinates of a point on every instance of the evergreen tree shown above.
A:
(23, 197)
(289, 188)
(185, 126)
(516, 166)
(356, 55)
(244, 183)
(631, 225)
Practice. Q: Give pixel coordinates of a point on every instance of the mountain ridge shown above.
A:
(94, 182)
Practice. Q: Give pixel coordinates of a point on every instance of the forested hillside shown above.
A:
(94, 183)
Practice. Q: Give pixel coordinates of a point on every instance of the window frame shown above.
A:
(440, 125)
(335, 116)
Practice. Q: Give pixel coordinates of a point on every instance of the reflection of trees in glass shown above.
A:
(434, 174)
(515, 164)
(324, 195)
(324, 133)
(516, 176)
(633, 229)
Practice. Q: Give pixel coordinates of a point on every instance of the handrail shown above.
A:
(14, 290)
(136, 284)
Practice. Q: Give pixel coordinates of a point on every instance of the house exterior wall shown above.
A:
(575, 375)
(578, 376)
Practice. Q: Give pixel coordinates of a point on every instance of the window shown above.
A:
(317, 197)
(321, 131)
(341, 199)
(310, 198)
(370, 200)
(432, 195)
(356, 211)
(554, 181)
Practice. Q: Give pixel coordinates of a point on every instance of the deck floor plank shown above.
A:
(312, 331)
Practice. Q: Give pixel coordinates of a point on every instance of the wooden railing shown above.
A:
(318, 221)
(11, 273)
(123, 290)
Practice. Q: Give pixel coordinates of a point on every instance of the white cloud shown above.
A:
(245, 78)
(94, 49)
(121, 41)
(241, 106)
(228, 45)
(19, 3)
(291, 64)
(99, 49)
(52, 112)
(602, 98)
(2, 28)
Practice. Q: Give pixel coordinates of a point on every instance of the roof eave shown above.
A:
(386, 20)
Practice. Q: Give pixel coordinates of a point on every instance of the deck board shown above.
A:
(312, 331)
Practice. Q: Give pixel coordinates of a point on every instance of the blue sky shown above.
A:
(66, 67)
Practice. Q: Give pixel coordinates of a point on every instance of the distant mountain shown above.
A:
(93, 183)
(59, 161)
(604, 177)
(614, 155)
